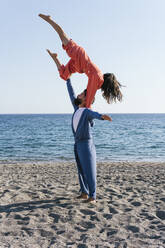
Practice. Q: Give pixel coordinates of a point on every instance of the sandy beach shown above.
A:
(38, 206)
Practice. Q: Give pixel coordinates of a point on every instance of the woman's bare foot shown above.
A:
(57, 28)
(45, 17)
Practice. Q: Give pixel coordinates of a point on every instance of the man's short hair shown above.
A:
(85, 91)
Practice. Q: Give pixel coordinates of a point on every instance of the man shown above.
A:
(84, 148)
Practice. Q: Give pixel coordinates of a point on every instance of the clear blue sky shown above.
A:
(126, 37)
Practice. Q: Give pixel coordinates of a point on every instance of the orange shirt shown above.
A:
(80, 62)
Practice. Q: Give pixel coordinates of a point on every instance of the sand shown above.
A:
(38, 206)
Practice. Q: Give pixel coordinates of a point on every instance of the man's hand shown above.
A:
(106, 117)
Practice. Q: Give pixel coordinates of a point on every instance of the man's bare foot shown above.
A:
(82, 196)
(45, 17)
(90, 200)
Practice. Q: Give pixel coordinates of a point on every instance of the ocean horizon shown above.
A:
(48, 137)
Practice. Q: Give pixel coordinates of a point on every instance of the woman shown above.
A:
(80, 62)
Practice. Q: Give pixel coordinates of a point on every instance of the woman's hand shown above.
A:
(53, 55)
(56, 60)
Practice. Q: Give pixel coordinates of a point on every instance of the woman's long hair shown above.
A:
(111, 88)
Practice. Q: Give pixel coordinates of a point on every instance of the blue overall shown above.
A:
(84, 148)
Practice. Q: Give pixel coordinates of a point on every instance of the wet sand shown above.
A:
(38, 206)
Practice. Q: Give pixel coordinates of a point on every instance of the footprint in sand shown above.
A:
(162, 199)
(4, 192)
(136, 204)
(87, 212)
(129, 189)
(107, 216)
(113, 211)
(70, 244)
(22, 220)
(46, 234)
(161, 227)
(133, 229)
(152, 227)
(93, 215)
(160, 214)
(101, 210)
(60, 232)
(155, 237)
(112, 232)
(7, 233)
(83, 237)
(149, 217)
(82, 246)
(128, 209)
(29, 231)
(155, 222)
(87, 224)
(45, 191)
(94, 218)
(56, 217)
(79, 229)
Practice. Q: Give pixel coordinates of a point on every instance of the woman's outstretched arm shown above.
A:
(64, 71)
(55, 58)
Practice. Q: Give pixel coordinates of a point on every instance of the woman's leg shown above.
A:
(58, 29)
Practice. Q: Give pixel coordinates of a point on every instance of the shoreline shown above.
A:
(72, 161)
(38, 206)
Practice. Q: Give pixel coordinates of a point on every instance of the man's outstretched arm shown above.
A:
(71, 93)
(95, 115)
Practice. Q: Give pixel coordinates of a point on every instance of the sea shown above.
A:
(49, 138)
